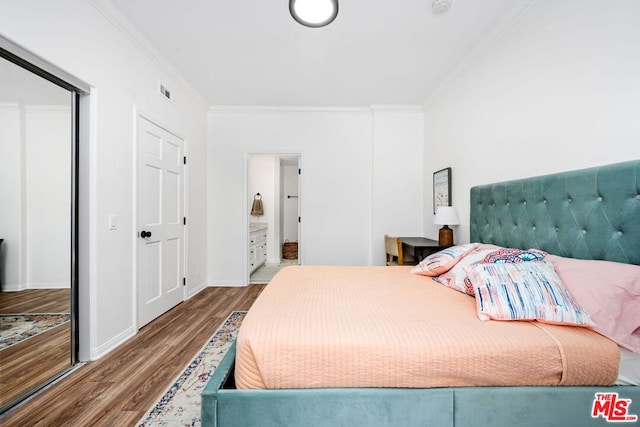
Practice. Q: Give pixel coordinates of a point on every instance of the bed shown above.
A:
(591, 214)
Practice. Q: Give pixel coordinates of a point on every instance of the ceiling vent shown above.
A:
(165, 91)
(441, 6)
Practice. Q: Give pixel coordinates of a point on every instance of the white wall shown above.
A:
(85, 40)
(35, 142)
(398, 178)
(558, 90)
(12, 274)
(341, 202)
(48, 196)
(335, 147)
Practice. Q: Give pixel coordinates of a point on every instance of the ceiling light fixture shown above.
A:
(314, 13)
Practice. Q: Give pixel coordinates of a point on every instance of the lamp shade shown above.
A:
(446, 215)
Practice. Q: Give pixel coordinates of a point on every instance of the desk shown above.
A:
(420, 247)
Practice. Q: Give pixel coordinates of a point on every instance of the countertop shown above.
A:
(257, 226)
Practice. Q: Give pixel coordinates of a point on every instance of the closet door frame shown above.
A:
(79, 93)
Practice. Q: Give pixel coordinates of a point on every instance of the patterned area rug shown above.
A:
(180, 404)
(15, 328)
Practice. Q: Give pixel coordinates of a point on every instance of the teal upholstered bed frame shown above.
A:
(591, 214)
(224, 406)
(588, 214)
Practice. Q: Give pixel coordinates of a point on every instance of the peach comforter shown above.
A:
(317, 326)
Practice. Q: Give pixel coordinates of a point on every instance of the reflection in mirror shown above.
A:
(35, 228)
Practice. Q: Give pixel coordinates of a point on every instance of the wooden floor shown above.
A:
(119, 388)
(34, 361)
(36, 301)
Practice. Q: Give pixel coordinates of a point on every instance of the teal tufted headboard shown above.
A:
(588, 214)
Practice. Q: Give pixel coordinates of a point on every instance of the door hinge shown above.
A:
(184, 281)
(298, 219)
(184, 160)
(299, 171)
(184, 220)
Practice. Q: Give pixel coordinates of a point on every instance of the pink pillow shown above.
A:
(442, 261)
(454, 278)
(609, 291)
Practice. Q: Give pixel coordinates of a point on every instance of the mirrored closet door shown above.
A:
(37, 231)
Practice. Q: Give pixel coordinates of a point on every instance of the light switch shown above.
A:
(113, 222)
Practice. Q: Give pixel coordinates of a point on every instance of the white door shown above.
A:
(160, 204)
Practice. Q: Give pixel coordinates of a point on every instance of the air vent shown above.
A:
(165, 91)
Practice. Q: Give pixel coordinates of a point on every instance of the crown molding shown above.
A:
(482, 48)
(396, 108)
(285, 109)
(126, 28)
(376, 108)
(9, 106)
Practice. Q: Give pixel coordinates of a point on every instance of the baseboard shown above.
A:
(17, 287)
(226, 284)
(191, 292)
(59, 285)
(13, 287)
(121, 338)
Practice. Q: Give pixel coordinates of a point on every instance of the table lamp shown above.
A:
(445, 216)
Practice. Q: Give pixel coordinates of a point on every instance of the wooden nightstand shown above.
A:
(420, 247)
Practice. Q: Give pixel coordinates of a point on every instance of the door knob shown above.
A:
(145, 234)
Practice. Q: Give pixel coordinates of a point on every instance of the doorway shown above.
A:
(160, 220)
(274, 179)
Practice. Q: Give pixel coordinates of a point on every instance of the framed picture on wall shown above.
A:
(441, 188)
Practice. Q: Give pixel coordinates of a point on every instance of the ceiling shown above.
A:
(252, 52)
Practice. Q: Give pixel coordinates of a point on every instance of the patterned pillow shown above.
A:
(514, 255)
(506, 255)
(455, 278)
(524, 291)
(442, 261)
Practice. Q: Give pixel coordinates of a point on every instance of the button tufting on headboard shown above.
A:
(590, 213)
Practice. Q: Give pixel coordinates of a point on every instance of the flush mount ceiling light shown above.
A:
(314, 13)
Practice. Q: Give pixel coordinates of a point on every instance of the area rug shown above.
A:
(180, 404)
(15, 328)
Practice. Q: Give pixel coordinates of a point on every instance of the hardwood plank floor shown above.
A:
(119, 388)
(34, 361)
(36, 301)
